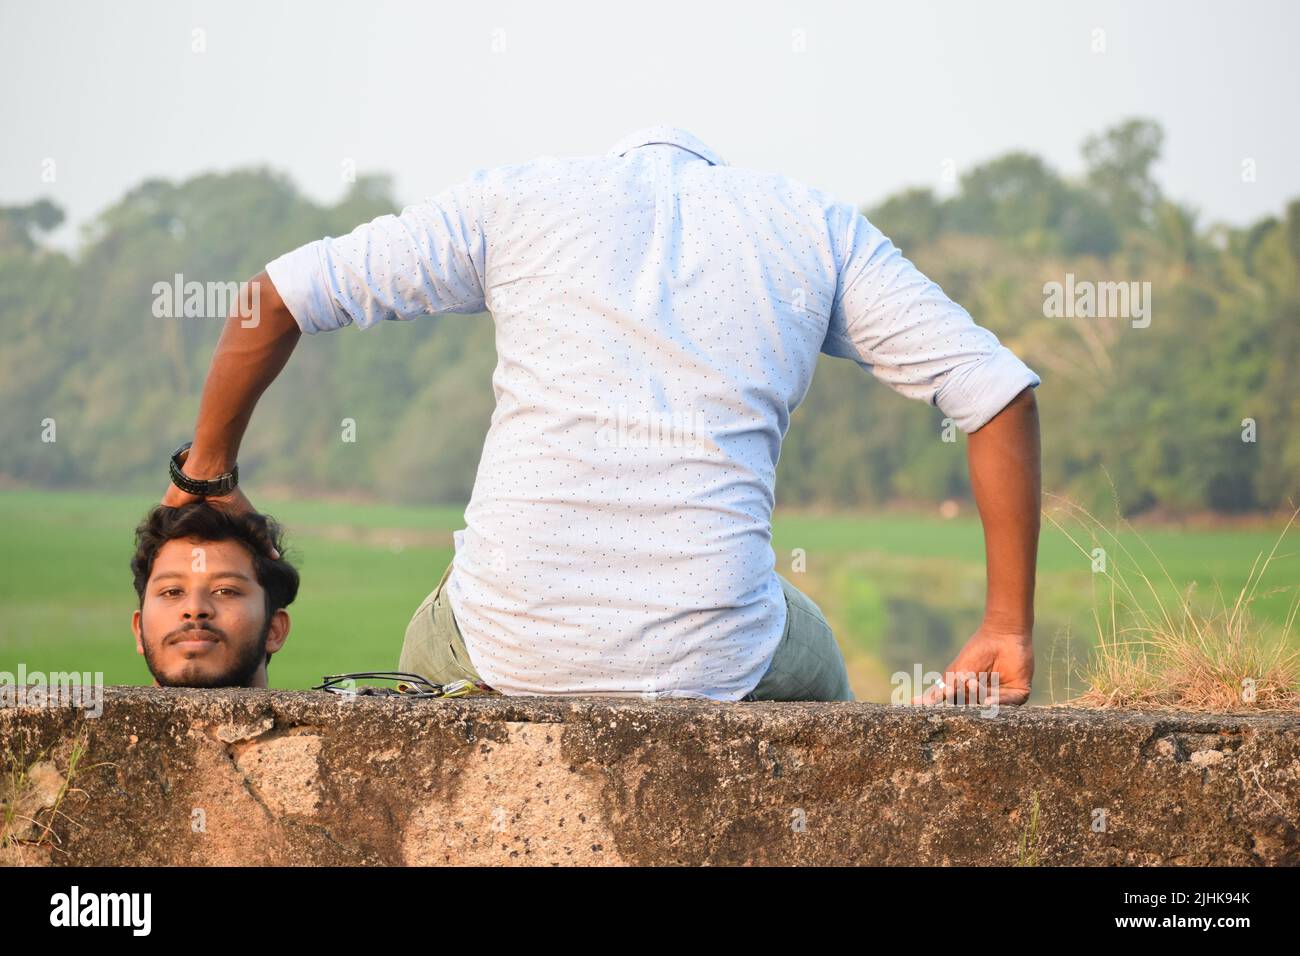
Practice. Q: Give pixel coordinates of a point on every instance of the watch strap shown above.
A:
(206, 487)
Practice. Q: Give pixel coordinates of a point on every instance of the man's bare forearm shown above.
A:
(1006, 477)
(245, 362)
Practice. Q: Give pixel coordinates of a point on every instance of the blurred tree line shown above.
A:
(1161, 407)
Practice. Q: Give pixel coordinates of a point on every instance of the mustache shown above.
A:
(179, 633)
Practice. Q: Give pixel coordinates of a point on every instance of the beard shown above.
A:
(238, 674)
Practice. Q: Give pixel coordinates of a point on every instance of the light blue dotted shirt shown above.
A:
(658, 316)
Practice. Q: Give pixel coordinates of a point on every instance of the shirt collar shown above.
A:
(666, 134)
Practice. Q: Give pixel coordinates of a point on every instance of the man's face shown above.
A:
(203, 619)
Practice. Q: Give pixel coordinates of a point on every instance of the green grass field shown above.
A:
(898, 590)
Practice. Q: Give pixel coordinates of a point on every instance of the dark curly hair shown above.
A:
(258, 533)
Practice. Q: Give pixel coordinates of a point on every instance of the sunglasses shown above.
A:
(406, 685)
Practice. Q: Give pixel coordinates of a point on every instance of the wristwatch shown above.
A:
(206, 487)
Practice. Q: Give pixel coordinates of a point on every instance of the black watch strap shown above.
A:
(206, 487)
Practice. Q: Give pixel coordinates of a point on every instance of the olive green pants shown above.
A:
(433, 647)
(807, 665)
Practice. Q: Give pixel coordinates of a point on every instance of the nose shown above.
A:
(197, 607)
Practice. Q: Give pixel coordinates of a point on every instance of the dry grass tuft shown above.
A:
(1153, 656)
(32, 796)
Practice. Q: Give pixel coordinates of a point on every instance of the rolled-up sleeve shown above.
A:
(426, 261)
(900, 326)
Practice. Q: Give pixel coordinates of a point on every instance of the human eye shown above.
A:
(166, 591)
(231, 590)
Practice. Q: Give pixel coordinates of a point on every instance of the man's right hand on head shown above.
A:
(236, 503)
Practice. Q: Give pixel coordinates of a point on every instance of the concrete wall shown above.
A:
(269, 777)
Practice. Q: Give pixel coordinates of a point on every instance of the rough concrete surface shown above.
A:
(171, 776)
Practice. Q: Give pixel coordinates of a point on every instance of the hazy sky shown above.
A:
(859, 99)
